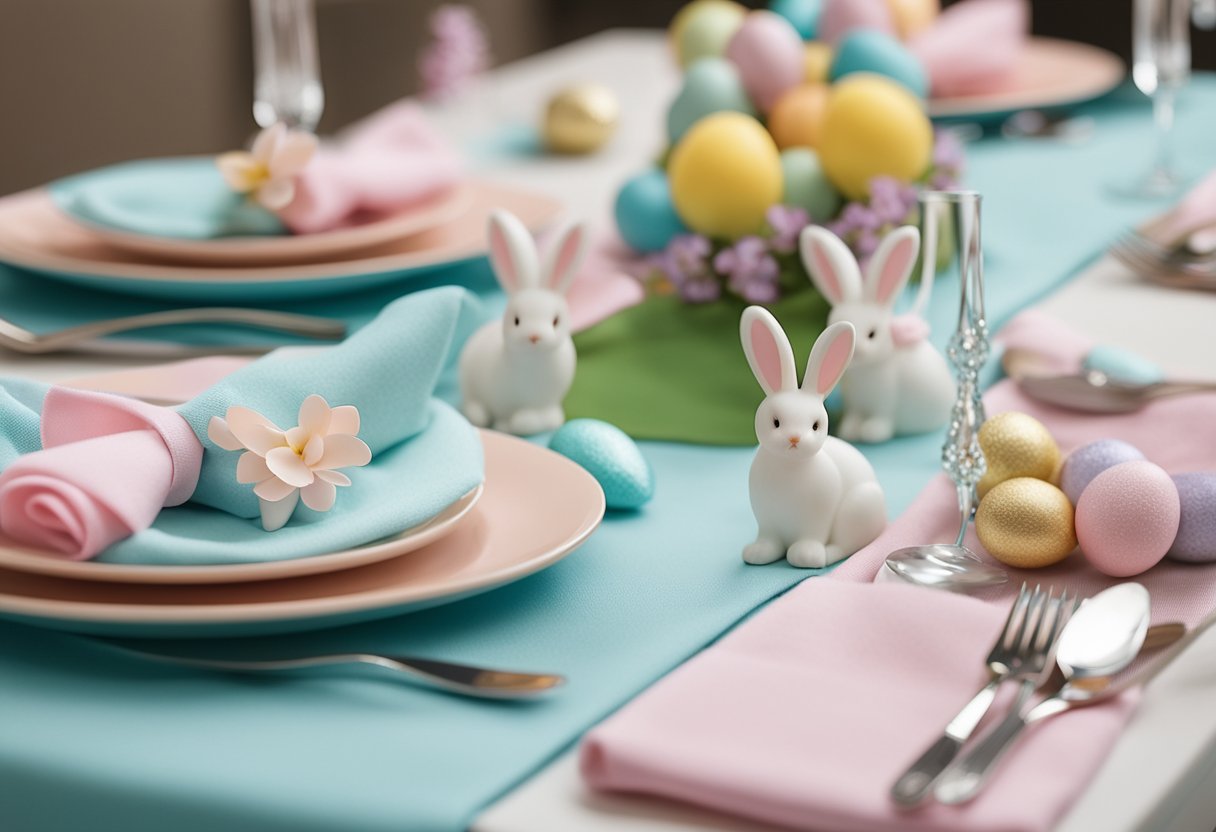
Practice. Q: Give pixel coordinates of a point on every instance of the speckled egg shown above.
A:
(806, 185)
(1087, 461)
(803, 15)
(725, 174)
(1122, 365)
(1026, 523)
(703, 28)
(1127, 518)
(710, 85)
(866, 50)
(873, 127)
(1016, 445)
(611, 457)
(816, 62)
(645, 214)
(911, 16)
(839, 17)
(1196, 538)
(768, 53)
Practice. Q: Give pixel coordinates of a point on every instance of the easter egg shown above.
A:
(710, 85)
(1122, 365)
(580, 119)
(703, 28)
(725, 174)
(1127, 518)
(911, 16)
(839, 17)
(805, 185)
(1196, 538)
(609, 455)
(803, 15)
(867, 50)
(1016, 445)
(873, 127)
(797, 118)
(1086, 462)
(816, 62)
(1026, 523)
(768, 53)
(645, 214)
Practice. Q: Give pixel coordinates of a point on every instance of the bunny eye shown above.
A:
(556, 319)
(816, 425)
(873, 334)
(776, 423)
(517, 320)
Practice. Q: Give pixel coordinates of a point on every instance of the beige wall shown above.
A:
(88, 82)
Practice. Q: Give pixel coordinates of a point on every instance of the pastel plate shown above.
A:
(1052, 73)
(537, 508)
(24, 559)
(36, 236)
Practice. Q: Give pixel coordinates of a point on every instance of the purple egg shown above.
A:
(1196, 538)
(1087, 461)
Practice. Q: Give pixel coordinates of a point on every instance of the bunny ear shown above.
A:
(565, 258)
(831, 265)
(830, 357)
(512, 252)
(891, 265)
(768, 350)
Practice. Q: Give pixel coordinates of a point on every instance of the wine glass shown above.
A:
(287, 77)
(1161, 65)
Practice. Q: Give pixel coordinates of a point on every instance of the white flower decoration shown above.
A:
(268, 171)
(286, 466)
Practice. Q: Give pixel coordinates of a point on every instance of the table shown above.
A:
(1175, 727)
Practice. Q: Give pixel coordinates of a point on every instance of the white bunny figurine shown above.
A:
(815, 497)
(899, 383)
(515, 373)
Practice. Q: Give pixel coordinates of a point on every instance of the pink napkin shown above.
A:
(973, 47)
(387, 162)
(807, 713)
(605, 285)
(107, 467)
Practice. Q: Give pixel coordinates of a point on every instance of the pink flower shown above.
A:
(457, 53)
(786, 222)
(751, 271)
(268, 171)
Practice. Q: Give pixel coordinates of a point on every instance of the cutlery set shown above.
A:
(1184, 262)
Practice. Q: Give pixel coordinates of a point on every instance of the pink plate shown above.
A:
(1052, 73)
(435, 209)
(537, 508)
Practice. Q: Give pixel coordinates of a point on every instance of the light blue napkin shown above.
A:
(425, 455)
(181, 198)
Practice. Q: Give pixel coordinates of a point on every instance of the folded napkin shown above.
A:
(425, 455)
(381, 165)
(973, 47)
(807, 713)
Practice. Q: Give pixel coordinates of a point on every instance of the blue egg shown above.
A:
(710, 86)
(645, 215)
(868, 50)
(611, 457)
(803, 14)
(1123, 365)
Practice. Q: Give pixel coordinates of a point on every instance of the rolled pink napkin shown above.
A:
(107, 467)
(383, 164)
(974, 46)
(789, 719)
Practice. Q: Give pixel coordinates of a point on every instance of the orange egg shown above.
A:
(797, 118)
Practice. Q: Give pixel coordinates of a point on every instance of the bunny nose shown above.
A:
(535, 339)
(794, 440)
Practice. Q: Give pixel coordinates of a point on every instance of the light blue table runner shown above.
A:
(90, 738)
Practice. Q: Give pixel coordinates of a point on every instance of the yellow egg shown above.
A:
(724, 174)
(796, 120)
(817, 61)
(1026, 523)
(580, 119)
(873, 127)
(1017, 445)
(703, 27)
(911, 16)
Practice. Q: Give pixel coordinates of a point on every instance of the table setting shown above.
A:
(797, 419)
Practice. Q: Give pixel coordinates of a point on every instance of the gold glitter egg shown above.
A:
(1026, 523)
(580, 119)
(1017, 445)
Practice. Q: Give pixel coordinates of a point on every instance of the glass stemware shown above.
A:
(1161, 65)
(287, 76)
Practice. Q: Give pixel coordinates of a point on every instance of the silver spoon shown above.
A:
(1101, 639)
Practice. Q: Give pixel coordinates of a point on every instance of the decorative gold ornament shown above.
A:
(580, 119)
(1017, 445)
(1026, 523)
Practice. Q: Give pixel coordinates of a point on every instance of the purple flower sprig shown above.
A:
(459, 52)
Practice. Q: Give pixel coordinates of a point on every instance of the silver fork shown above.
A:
(1178, 264)
(1015, 655)
(21, 340)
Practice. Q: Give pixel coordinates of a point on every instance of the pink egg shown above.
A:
(1127, 518)
(839, 17)
(768, 53)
